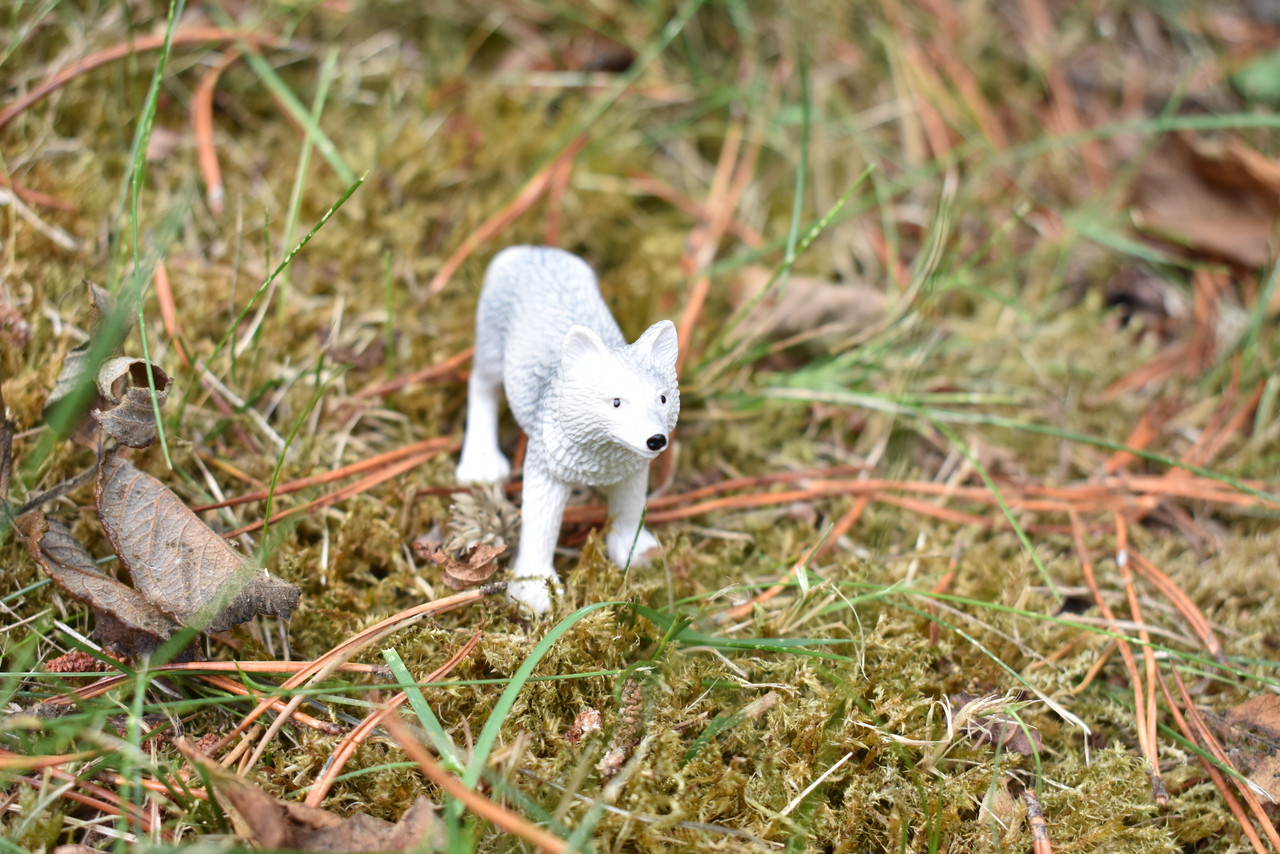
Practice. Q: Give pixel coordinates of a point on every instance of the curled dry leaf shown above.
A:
(479, 566)
(1218, 197)
(271, 823)
(586, 722)
(984, 722)
(123, 619)
(127, 414)
(176, 561)
(101, 304)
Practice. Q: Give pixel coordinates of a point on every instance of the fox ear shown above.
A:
(581, 343)
(659, 345)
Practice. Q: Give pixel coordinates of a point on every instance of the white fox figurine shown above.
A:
(596, 410)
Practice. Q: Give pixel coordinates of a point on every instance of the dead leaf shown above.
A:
(479, 566)
(586, 722)
(1217, 197)
(810, 306)
(272, 823)
(176, 561)
(128, 415)
(1260, 714)
(101, 304)
(123, 619)
(994, 726)
(1255, 738)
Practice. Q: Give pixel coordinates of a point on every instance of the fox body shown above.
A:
(596, 409)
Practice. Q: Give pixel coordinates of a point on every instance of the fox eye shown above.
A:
(663, 398)
(617, 402)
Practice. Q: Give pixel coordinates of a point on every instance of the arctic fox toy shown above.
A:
(596, 410)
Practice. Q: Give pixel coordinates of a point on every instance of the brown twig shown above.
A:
(423, 375)
(363, 485)
(1039, 827)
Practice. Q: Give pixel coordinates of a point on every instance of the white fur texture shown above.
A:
(589, 402)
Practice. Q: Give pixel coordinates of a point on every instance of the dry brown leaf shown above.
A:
(123, 619)
(272, 823)
(1255, 732)
(176, 561)
(996, 727)
(478, 567)
(810, 305)
(127, 414)
(1221, 198)
(101, 304)
(1260, 714)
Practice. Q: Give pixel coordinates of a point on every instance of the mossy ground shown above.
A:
(995, 256)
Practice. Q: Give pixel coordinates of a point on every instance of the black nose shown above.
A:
(657, 442)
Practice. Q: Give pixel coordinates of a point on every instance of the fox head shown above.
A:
(626, 396)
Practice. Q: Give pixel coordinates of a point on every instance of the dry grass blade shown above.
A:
(1144, 697)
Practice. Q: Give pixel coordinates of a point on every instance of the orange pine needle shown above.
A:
(530, 193)
(347, 747)
(192, 35)
(202, 130)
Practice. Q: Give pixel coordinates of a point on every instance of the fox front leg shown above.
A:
(534, 572)
(482, 460)
(628, 543)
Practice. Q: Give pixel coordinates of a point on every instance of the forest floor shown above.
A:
(970, 525)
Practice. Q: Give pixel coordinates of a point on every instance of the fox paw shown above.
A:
(482, 468)
(534, 590)
(622, 553)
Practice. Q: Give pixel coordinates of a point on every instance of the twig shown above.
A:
(1039, 827)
